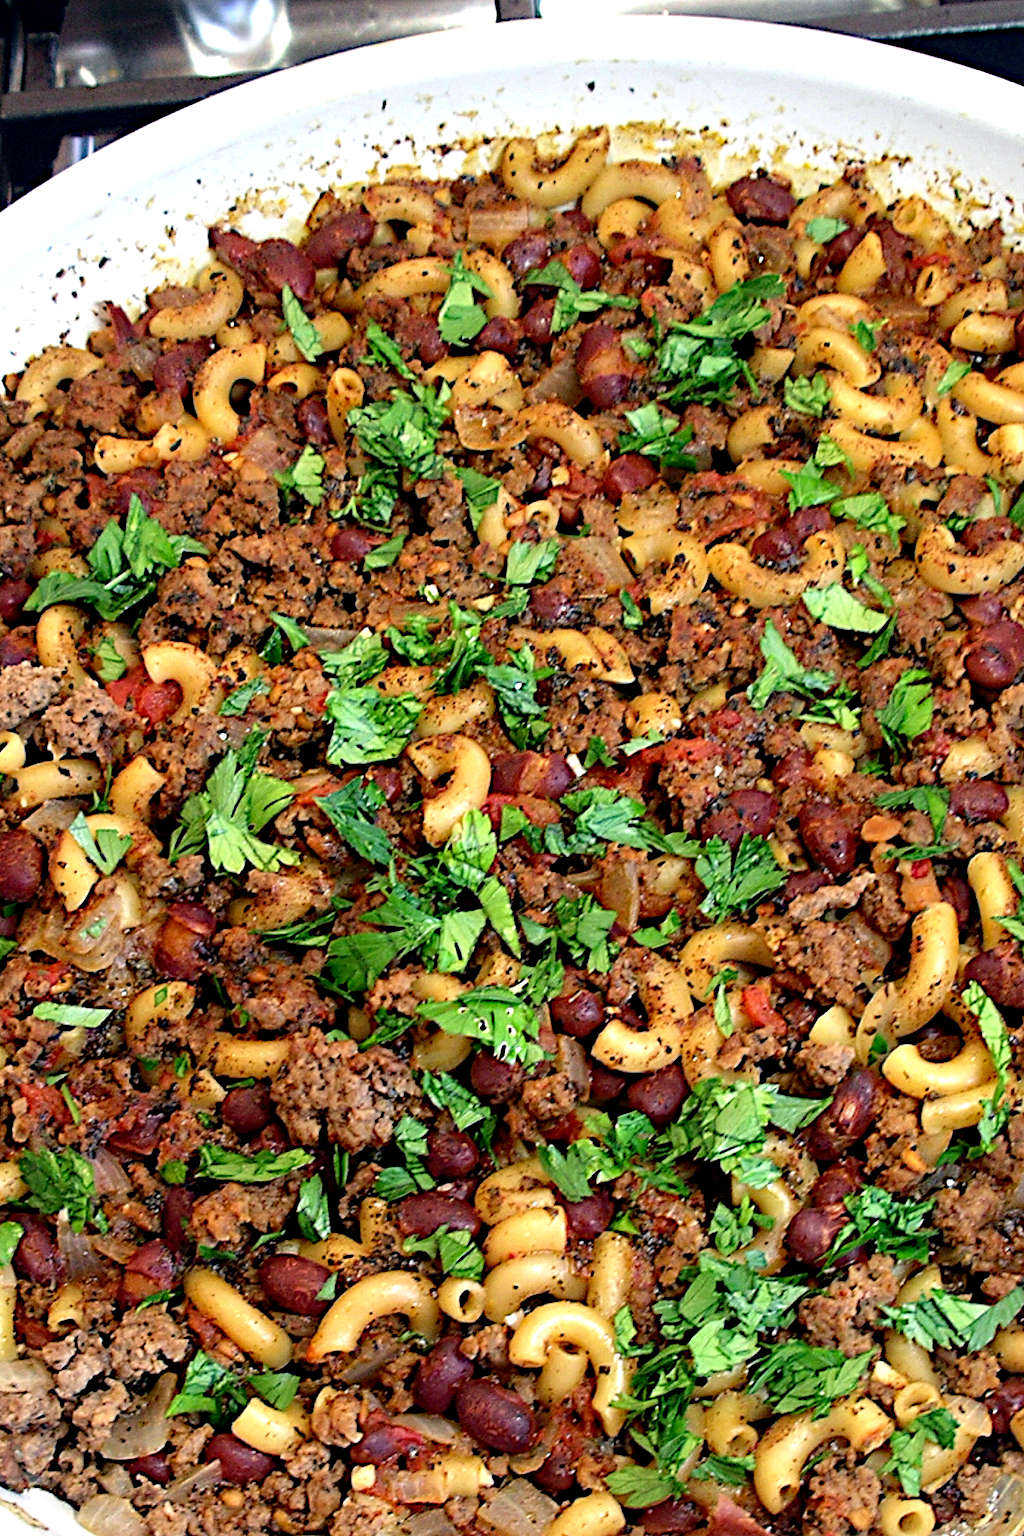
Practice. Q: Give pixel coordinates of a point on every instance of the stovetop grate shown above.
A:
(78, 72)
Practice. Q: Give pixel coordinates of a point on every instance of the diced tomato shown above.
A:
(580, 483)
(122, 690)
(758, 1008)
(158, 701)
(45, 1103)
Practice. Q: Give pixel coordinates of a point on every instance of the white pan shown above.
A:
(742, 92)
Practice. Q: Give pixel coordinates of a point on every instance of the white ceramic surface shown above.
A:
(136, 213)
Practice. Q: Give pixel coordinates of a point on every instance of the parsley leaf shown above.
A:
(889, 1224)
(734, 881)
(368, 726)
(732, 1227)
(61, 1181)
(240, 1168)
(278, 1388)
(907, 1446)
(822, 230)
(783, 673)
(495, 1017)
(106, 849)
(399, 435)
(466, 1109)
(71, 1015)
(526, 563)
(385, 554)
(839, 609)
(809, 396)
(352, 812)
(994, 1033)
(312, 1211)
(481, 492)
(699, 359)
(571, 301)
(808, 487)
(929, 798)
(583, 926)
(870, 510)
(657, 435)
(108, 663)
(908, 710)
(956, 369)
(238, 701)
(125, 565)
(807, 1378)
(455, 1251)
(639, 1487)
(953, 1322)
(384, 350)
(209, 1388)
(235, 804)
(305, 476)
(460, 317)
(410, 1137)
(304, 333)
(11, 1233)
(727, 1123)
(865, 333)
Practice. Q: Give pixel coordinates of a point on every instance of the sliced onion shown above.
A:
(430, 1425)
(115, 1480)
(603, 562)
(182, 1488)
(497, 226)
(47, 821)
(76, 1250)
(24, 1376)
(619, 890)
(144, 1430)
(108, 1175)
(430, 1522)
(108, 1515)
(559, 381)
(520, 1509)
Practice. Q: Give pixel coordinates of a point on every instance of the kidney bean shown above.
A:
(422, 333)
(792, 768)
(544, 774)
(1004, 1403)
(979, 536)
(495, 1416)
(37, 1257)
(281, 262)
(586, 1218)
(21, 865)
(451, 1154)
(500, 335)
(8, 924)
(583, 265)
(272, 1138)
(181, 951)
(384, 1443)
(776, 546)
(239, 1463)
(836, 1183)
(14, 594)
(311, 415)
(551, 605)
(760, 200)
(828, 838)
(839, 248)
(607, 389)
(138, 1132)
(156, 1468)
(353, 544)
(629, 473)
(178, 1203)
(803, 883)
(979, 800)
(658, 1095)
(558, 1474)
(423, 1213)
(746, 810)
(806, 521)
(493, 1079)
(1000, 972)
(439, 1375)
(536, 322)
(247, 1110)
(996, 658)
(578, 1012)
(17, 647)
(151, 1268)
(847, 1118)
(176, 368)
(673, 1517)
(292, 1283)
(986, 608)
(605, 1086)
(812, 1232)
(957, 892)
(338, 235)
(526, 252)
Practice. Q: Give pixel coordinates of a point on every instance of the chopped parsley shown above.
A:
(583, 926)
(571, 301)
(11, 1233)
(783, 673)
(312, 1210)
(278, 1388)
(395, 1183)
(460, 317)
(105, 849)
(734, 881)
(352, 812)
(809, 396)
(839, 609)
(870, 510)
(71, 1015)
(61, 1181)
(495, 1017)
(699, 359)
(468, 1112)
(888, 1223)
(956, 369)
(808, 486)
(125, 565)
(906, 1446)
(305, 476)
(821, 230)
(480, 491)
(527, 563)
(933, 801)
(908, 711)
(385, 554)
(108, 663)
(806, 1378)
(953, 1322)
(368, 726)
(657, 435)
(236, 803)
(242, 1168)
(727, 1123)
(992, 1025)
(455, 1251)
(304, 333)
(734, 1226)
(238, 701)
(398, 436)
